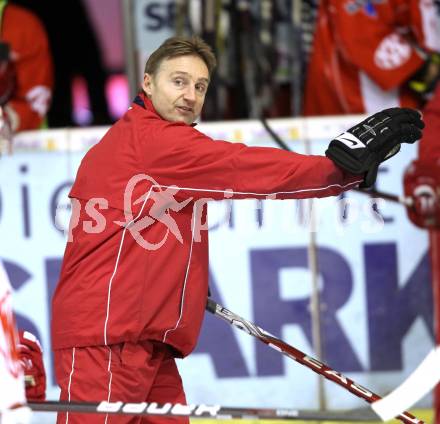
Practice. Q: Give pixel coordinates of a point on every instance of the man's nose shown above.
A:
(190, 93)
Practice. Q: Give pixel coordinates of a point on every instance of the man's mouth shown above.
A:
(185, 109)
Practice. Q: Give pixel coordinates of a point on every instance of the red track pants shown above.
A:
(127, 372)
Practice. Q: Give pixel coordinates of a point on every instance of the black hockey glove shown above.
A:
(362, 148)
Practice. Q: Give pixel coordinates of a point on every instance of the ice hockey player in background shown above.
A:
(22, 373)
(12, 391)
(392, 61)
(26, 76)
(422, 185)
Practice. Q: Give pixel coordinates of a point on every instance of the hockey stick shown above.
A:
(403, 200)
(199, 411)
(406, 201)
(298, 356)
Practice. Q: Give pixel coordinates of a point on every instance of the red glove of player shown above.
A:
(31, 357)
(422, 184)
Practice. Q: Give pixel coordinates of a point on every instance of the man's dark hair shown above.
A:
(181, 46)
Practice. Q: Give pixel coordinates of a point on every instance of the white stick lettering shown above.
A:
(135, 408)
(153, 408)
(340, 377)
(207, 409)
(109, 406)
(362, 390)
(313, 362)
(179, 409)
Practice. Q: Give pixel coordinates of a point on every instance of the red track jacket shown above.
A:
(129, 277)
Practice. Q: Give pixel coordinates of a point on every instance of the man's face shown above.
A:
(178, 88)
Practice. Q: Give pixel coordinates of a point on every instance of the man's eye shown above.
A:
(201, 88)
(179, 82)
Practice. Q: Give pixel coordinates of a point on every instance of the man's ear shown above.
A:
(146, 85)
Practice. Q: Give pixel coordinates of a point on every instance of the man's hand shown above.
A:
(31, 358)
(362, 148)
(422, 184)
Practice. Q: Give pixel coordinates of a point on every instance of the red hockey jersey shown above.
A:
(139, 269)
(429, 152)
(429, 146)
(364, 51)
(33, 64)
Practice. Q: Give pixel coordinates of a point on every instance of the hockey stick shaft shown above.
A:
(300, 357)
(405, 201)
(196, 411)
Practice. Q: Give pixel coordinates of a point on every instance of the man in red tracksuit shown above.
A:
(369, 55)
(134, 281)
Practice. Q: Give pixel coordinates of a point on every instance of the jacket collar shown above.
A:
(143, 101)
